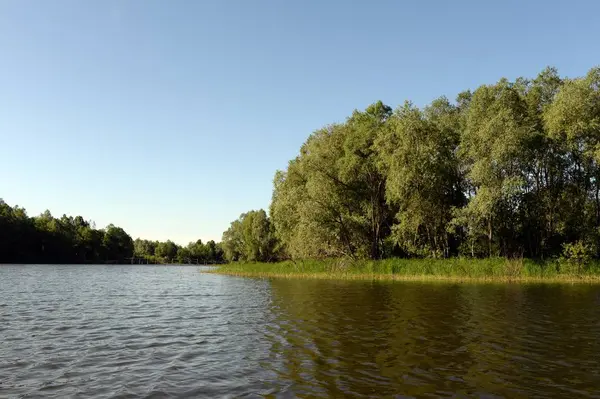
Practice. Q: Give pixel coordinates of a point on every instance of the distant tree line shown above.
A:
(46, 239)
(169, 252)
(510, 169)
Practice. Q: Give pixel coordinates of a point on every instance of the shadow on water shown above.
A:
(384, 339)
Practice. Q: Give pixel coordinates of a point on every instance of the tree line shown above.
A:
(509, 169)
(74, 240)
(169, 252)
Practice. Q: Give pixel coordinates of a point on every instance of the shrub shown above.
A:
(513, 267)
(576, 256)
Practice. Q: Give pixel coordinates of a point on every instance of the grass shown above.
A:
(453, 269)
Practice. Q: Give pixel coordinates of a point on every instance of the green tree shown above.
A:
(117, 244)
(573, 120)
(493, 151)
(183, 255)
(144, 248)
(331, 199)
(418, 157)
(250, 238)
(167, 251)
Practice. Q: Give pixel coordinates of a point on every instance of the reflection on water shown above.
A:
(156, 331)
(384, 339)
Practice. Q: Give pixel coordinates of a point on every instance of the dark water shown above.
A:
(157, 331)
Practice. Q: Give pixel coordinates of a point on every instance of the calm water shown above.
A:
(171, 331)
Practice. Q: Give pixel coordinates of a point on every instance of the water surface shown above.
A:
(171, 331)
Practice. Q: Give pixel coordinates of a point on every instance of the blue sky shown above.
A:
(169, 118)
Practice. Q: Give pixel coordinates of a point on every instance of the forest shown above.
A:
(509, 169)
(74, 240)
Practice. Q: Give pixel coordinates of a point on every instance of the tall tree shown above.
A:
(573, 119)
(418, 157)
(250, 238)
(117, 244)
(331, 200)
(167, 251)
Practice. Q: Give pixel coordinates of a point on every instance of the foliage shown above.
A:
(46, 239)
(169, 252)
(250, 238)
(117, 242)
(576, 256)
(510, 169)
(166, 250)
(418, 157)
(331, 200)
(455, 268)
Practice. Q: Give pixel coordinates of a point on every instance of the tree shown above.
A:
(117, 244)
(331, 199)
(167, 251)
(144, 248)
(250, 238)
(46, 239)
(214, 253)
(493, 150)
(183, 255)
(573, 120)
(417, 154)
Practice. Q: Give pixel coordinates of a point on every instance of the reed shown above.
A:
(453, 269)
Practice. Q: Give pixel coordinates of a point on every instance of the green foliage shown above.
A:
(144, 248)
(250, 238)
(46, 239)
(510, 169)
(117, 243)
(417, 155)
(331, 200)
(167, 250)
(456, 268)
(576, 256)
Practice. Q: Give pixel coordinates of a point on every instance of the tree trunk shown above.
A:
(490, 236)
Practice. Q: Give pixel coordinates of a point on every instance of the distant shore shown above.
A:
(451, 270)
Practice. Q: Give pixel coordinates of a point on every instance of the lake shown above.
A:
(172, 331)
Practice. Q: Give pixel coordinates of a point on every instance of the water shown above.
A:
(171, 331)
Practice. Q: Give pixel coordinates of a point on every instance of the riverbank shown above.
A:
(454, 269)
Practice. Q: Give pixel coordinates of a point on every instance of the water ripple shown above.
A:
(160, 332)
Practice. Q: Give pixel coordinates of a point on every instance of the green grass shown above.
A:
(453, 269)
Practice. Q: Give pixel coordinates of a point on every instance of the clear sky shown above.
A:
(169, 118)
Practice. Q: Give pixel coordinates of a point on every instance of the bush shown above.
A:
(513, 267)
(576, 257)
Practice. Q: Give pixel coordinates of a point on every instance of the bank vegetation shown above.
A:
(507, 171)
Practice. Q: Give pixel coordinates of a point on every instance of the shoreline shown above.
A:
(416, 278)
(495, 270)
